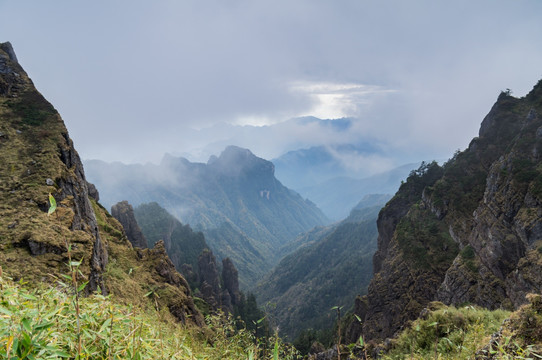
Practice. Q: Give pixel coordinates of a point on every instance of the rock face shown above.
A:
(230, 280)
(124, 213)
(467, 232)
(38, 158)
(224, 297)
(13, 78)
(38, 161)
(209, 279)
(182, 307)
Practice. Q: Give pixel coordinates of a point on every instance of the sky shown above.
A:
(135, 79)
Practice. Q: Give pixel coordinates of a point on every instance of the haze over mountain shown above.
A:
(336, 177)
(244, 211)
(161, 77)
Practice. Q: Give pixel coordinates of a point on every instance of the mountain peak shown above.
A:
(7, 48)
(234, 161)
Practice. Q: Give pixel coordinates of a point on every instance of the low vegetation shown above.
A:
(42, 324)
(469, 332)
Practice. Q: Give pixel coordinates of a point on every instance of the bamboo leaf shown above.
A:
(82, 286)
(26, 324)
(52, 204)
(28, 297)
(5, 311)
(104, 326)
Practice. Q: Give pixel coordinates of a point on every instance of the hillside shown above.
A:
(466, 232)
(182, 243)
(328, 271)
(244, 211)
(39, 161)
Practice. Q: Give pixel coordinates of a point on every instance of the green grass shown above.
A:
(41, 324)
(448, 333)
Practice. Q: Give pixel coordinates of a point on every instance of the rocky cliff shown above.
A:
(38, 158)
(124, 213)
(467, 232)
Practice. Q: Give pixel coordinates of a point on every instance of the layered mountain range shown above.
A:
(332, 177)
(467, 232)
(244, 211)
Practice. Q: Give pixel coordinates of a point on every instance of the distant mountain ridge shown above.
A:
(331, 266)
(236, 191)
(331, 177)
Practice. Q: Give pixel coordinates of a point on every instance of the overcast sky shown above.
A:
(136, 79)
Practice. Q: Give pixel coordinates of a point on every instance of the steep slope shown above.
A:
(124, 213)
(469, 232)
(236, 191)
(182, 243)
(38, 158)
(327, 272)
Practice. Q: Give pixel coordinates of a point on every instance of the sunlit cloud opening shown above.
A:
(336, 100)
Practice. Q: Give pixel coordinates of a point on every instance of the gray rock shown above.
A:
(124, 213)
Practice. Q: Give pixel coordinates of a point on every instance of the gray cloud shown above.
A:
(136, 79)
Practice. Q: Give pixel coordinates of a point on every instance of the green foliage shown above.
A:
(32, 109)
(251, 316)
(468, 256)
(425, 241)
(41, 324)
(447, 333)
(425, 175)
(524, 170)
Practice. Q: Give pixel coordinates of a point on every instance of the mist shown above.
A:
(136, 80)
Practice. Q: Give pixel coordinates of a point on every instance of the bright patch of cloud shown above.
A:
(336, 100)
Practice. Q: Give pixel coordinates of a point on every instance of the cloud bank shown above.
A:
(134, 80)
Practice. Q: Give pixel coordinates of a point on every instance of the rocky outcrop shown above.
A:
(124, 213)
(230, 280)
(467, 232)
(38, 157)
(354, 328)
(93, 192)
(39, 161)
(177, 298)
(183, 245)
(209, 279)
(12, 77)
(73, 186)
